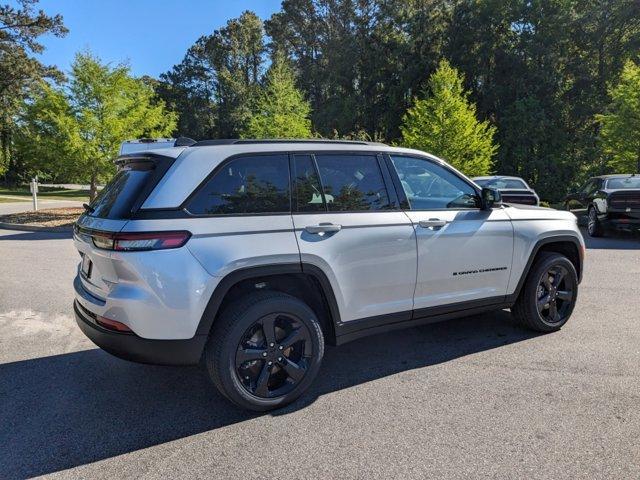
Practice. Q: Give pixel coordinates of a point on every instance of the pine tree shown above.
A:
(280, 110)
(444, 123)
(621, 125)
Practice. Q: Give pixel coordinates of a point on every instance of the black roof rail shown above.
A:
(246, 141)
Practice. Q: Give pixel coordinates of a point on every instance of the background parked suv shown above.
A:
(250, 255)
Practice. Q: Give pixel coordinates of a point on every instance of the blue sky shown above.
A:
(151, 35)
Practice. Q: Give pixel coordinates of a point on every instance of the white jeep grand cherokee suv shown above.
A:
(250, 255)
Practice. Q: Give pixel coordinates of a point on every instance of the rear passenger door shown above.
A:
(348, 223)
(240, 216)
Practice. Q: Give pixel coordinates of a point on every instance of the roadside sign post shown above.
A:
(34, 191)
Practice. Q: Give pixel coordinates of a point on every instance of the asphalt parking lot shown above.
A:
(472, 398)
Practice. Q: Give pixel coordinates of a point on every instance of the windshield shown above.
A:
(502, 183)
(117, 197)
(621, 183)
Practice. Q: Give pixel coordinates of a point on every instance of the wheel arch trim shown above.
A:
(534, 252)
(231, 279)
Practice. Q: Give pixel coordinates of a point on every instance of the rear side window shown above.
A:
(246, 185)
(352, 183)
(117, 197)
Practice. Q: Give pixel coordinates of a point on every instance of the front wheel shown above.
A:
(265, 350)
(549, 294)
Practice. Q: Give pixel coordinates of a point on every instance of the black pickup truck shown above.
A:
(607, 202)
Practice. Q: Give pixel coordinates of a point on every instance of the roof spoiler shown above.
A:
(142, 157)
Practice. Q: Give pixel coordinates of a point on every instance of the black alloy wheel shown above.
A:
(273, 355)
(555, 294)
(265, 350)
(549, 293)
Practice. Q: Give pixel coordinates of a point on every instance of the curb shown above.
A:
(34, 228)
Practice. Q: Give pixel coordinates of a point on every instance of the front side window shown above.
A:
(246, 185)
(429, 186)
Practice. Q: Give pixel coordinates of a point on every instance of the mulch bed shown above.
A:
(50, 217)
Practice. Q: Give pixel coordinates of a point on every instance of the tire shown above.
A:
(238, 352)
(530, 311)
(594, 227)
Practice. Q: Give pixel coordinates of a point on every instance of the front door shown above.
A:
(579, 202)
(348, 223)
(464, 253)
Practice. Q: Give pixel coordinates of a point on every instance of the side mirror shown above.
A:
(490, 198)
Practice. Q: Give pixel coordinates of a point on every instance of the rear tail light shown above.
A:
(134, 242)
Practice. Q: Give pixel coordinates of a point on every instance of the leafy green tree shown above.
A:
(79, 128)
(534, 146)
(281, 110)
(444, 123)
(20, 72)
(215, 85)
(188, 88)
(539, 71)
(621, 125)
(359, 61)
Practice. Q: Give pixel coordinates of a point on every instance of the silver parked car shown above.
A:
(251, 255)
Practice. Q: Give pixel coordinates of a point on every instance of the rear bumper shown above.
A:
(136, 349)
(521, 199)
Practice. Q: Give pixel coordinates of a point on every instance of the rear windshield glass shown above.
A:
(503, 183)
(623, 183)
(117, 197)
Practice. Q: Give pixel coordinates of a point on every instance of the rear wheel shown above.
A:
(265, 350)
(549, 294)
(594, 227)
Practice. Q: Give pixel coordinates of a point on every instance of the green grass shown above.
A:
(49, 194)
(10, 200)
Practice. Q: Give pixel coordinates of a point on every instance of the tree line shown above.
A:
(545, 89)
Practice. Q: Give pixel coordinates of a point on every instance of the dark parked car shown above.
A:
(607, 202)
(512, 189)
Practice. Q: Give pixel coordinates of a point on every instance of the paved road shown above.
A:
(476, 397)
